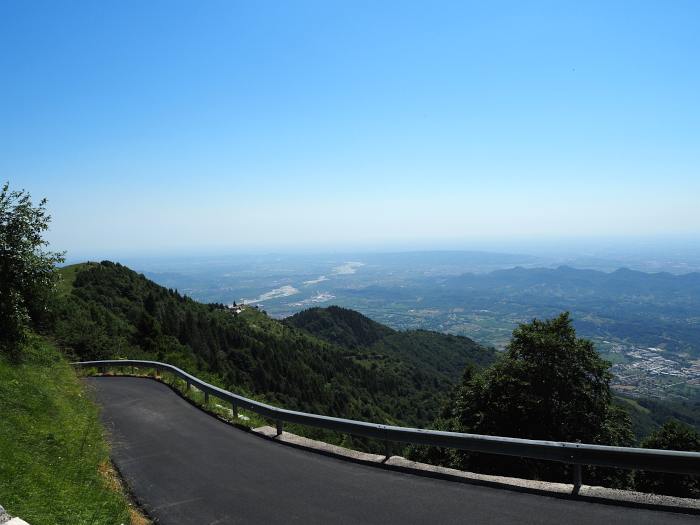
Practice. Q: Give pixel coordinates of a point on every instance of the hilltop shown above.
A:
(340, 326)
(443, 356)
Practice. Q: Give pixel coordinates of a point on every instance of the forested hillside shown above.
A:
(106, 310)
(648, 415)
(340, 326)
(442, 356)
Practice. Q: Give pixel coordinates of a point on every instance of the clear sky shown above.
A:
(274, 125)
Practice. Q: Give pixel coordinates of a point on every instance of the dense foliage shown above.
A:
(648, 415)
(430, 360)
(673, 435)
(548, 385)
(107, 310)
(340, 326)
(27, 271)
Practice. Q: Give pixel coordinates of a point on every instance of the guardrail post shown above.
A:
(387, 449)
(279, 427)
(576, 472)
(234, 410)
(187, 388)
(578, 481)
(206, 398)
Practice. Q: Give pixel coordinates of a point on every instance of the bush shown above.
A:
(673, 435)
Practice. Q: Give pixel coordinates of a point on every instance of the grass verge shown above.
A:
(54, 461)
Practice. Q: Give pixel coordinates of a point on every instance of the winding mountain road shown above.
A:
(186, 467)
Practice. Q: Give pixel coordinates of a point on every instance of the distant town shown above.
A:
(651, 372)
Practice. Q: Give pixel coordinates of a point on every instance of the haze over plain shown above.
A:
(305, 126)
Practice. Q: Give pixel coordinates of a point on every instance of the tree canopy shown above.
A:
(673, 435)
(548, 385)
(27, 270)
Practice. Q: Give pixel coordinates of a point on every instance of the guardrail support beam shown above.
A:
(234, 410)
(578, 481)
(206, 398)
(387, 449)
(279, 427)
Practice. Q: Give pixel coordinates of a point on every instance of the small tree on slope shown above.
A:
(27, 272)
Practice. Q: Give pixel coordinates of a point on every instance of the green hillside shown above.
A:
(54, 466)
(340, 326)
(648, 415)
(442, 357)
(108, 311)
(443, 354)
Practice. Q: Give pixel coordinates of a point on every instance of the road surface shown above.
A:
(186, 467)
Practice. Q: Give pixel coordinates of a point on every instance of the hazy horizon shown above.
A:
(168, 127)
(674, 247)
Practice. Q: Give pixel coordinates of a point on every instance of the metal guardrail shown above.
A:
(576, 454)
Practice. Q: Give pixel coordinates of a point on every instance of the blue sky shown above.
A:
(281, 125)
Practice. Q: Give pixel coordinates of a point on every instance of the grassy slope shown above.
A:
(68, 274)
(53, 456)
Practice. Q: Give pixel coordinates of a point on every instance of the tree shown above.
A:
(548, 385)
(673, 435)
(27, 272)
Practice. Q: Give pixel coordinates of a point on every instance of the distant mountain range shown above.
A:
(567, 280)
(659, 309)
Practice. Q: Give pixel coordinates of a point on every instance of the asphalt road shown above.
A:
(186, 467)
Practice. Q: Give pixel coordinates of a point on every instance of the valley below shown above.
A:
(645, 323)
